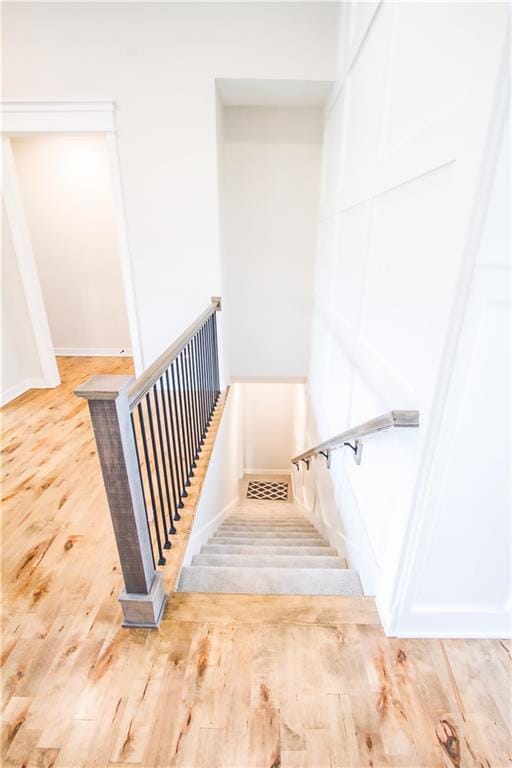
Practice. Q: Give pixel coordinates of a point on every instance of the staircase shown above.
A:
(268, 548)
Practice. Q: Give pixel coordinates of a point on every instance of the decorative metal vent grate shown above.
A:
(267, 491)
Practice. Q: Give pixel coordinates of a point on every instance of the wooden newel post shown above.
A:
(143, 599)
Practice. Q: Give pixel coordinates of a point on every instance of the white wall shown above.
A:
(68, 200)
(21, 369)
(460, 558)
(158, 61)
(407, 147)
(271, 177)
(267, 426)
(219, 492)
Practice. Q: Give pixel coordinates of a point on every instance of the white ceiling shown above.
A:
(273, 93)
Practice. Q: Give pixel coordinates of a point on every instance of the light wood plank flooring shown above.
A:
(229, 680)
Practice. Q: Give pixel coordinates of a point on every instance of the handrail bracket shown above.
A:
(327, 455)
(358, 450)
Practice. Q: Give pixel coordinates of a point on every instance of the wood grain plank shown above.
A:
(229, 681)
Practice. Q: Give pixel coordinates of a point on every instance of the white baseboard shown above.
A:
(215, 520)
(93, 351)
(468, 625)
(350, 537)
(11, 393)
(266, 471)
(333, 536)
(201, 535)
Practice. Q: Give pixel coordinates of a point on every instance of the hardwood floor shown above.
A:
(229, 680)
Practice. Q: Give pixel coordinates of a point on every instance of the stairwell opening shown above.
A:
(269, 136)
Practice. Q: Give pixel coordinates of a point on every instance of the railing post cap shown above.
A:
(217, 300)
(107, 387)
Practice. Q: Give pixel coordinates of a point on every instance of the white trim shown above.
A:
(19, 389)
(467, 624)
(198, 538)
(124, 252)
(213, 521)
(266, 472)
(26, 117)
(27, 268)
(29, 117)
(92, 352)
(355, 47)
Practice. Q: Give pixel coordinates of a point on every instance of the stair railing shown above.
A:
(149, 432)
(390, 420)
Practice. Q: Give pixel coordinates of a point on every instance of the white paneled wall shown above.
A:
(403, 319)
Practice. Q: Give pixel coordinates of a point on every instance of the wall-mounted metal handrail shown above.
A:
(145, 381)
(385, 421)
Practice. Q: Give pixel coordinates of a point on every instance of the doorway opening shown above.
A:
(66, 192)
(68, 286)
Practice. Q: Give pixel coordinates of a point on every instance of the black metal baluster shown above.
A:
(193, 383)
(186, 360)
(190, 419)
(212, 360)
(167, 544)
(161, 560)
(195, 345)
(185, 426)
(200, 374)
(142, 487)
(172, 468)
(210, 380)
(178, 469)
(205, 379)
(195, 431)
(205, 367)
(179, 432)
(216, 357)
(170, 511)
(182, 415)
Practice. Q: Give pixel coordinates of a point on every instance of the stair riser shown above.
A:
(262, 526)
(267, 561)
(268, 534)
(266, 530)
(251, 549)
(311, 542)
(231, 524)
(284, 518)
(270, 581)
(264, 518)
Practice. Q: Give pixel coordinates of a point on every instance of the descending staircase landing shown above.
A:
(268, 548)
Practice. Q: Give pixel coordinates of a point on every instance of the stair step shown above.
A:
(266, 518)
(271, 516)
(270, 581)
(268, 561)
(266, 534)
(267, 526)
(252, 549)
(269, 529)
(313, 541)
